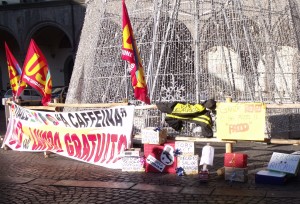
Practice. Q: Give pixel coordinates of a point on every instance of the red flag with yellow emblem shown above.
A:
(131, 54)
(36, 72)
(14, 71)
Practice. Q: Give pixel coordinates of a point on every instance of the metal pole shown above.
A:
(196, 42)
(154, 40)
(175, 9)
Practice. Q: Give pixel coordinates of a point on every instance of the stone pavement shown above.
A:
(27, 177)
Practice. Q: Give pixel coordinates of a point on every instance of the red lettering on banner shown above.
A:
(243, 127)
(77, 145)
(57, 143)
(50, 140)
(39, 145)
(32, 136)
(86, 147)
(100, 147)
(114, 139)
(106, 149)
(92, 138)
(19, 132)
(45, 141)
(122, 144)
(70, 148)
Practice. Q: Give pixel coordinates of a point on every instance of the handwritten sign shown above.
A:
(152, 136)
(133, 164)
(241, 121)
(189, 163)
(185, 147)
(287, 163)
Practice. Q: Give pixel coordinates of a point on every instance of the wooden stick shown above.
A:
(40, 108)
(284, 141)
(146, 107)
(283, 106)
(87, 105)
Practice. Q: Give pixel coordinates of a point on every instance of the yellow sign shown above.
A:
(241, 121)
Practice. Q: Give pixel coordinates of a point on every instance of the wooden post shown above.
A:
(6, 106)
(228, 146)
(228, 99)
(57, 109)
(221, 171)
(46, 154)
(7, 115)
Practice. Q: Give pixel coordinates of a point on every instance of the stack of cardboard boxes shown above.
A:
(187, 159)
(133, 160)
(161, 155)
(280, 167)
(236, 167)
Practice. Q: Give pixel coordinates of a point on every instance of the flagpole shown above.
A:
(126, 83)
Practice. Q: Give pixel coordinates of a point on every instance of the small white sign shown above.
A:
(189, 163)
(155, 163)
(185, 147)
(133, 164)
(287, 163)
(152, 136)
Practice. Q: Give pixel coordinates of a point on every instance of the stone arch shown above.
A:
(56, 44)
(231, 34)
(68, 70)
(171, 76)
(281, 69)
(7, 36)
(42, 25)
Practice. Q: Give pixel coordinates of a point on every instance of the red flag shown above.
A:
(131, 54)
(14, 71)
(36, 72)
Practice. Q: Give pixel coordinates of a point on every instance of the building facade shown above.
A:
(54, 25)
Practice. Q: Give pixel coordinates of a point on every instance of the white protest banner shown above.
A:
(94, 136)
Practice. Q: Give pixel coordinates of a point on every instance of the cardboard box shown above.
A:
(152, 136)
(236, 174)
(160, 158)
(133, 164)
(203, 176)
(189, 163)
(237, 160)
(133, 152)
(185, 147)
(270, 177)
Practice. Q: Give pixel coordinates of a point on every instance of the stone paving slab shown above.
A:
(283, 194)
(239, 192)
(16, 180)
(160, 188)
(199, 191)
(43, 182)
(95, 184)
